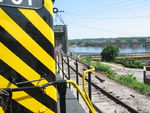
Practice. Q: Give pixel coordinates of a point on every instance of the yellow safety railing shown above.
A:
(84, 86)
(88, 102)
(55, 83)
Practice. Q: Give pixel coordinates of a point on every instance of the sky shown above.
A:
(104, 18)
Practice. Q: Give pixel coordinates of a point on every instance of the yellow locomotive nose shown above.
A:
(27, 54)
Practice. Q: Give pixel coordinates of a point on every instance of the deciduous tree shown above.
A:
(110, 52)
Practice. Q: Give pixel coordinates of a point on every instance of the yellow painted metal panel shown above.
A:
(23, 98)
(39, 23)
(1, 110)
(23, 69)
(49, 6)
(11, 27)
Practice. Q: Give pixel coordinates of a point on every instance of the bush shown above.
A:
(131, 63)
(109, 53)
(104, 68)
(88, 60)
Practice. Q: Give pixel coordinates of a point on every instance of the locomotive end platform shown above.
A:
(72, 104)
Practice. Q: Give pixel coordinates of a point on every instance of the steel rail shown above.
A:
(129, 108)
(97, 109)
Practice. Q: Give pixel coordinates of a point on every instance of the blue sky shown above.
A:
(105, 18)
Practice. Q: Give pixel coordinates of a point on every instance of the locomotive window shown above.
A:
(31, 4)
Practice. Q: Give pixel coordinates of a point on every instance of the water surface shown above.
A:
(98, 50)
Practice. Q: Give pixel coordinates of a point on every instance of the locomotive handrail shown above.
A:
(88, 103)
(25, 82)
(35, 87)
(88, 80)
(91, 69)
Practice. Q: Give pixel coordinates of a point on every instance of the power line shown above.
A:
(128, 10)
(130, 4)
(100, 29)
(121, 17)
(138, 7)
(108, 16)
(111, 17)
(104, 6)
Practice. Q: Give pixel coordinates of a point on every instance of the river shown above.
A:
(98, 50)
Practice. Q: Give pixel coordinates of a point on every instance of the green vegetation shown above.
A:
(131, 81)
(103, 68)
(127, 80)
(131, 63)
(80, 41)
(95, 40)
(109, 53)
(89, 40)
(129, 39)
(88, 60)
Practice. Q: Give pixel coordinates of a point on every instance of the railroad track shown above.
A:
(103, 100)
(112, 101)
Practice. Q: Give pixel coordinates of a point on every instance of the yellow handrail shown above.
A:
(84, 86)
(83, 96)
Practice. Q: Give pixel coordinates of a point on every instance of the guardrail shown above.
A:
(63, 59)
(76, 70)
(6, 94)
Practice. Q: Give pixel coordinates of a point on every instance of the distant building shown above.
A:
(113, 41)
(124, 45)
(147, 40)
(61, 37)
(135, 41)
(137, 45)
(103, 41)
(147, 43)
(123, 41)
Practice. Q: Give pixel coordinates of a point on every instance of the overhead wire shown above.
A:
(112, 7)
(112, 11)
(111, 17)
(100, 29)
(136, 13)
(127, 11)
(126, 5)
(126, 16)
(93, 28)
(120, 17)
(104, 6)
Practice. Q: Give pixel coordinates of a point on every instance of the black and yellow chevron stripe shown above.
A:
(27, 52)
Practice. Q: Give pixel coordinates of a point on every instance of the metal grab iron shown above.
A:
(84, 84)
(59, 82)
